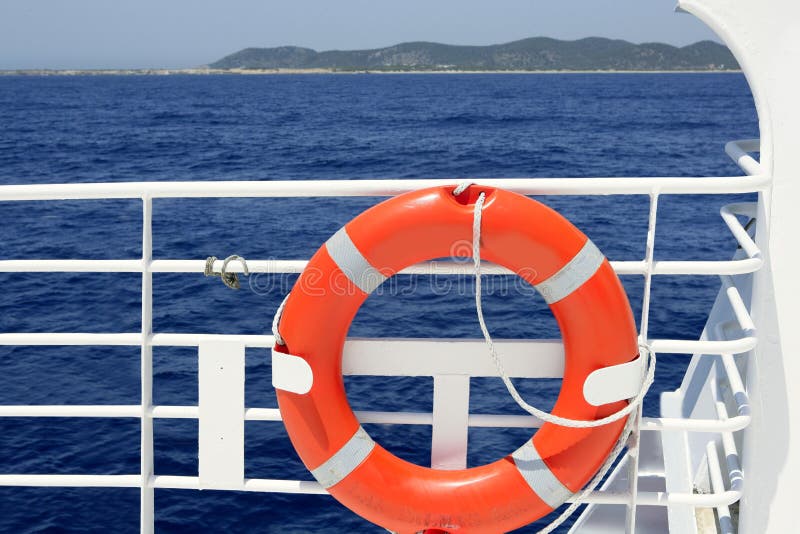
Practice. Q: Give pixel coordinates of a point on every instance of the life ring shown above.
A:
(585, 296)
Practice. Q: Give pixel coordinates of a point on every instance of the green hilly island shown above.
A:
(533, 54)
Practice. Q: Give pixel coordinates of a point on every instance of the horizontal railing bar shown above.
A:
(695, 425)
(652, 424)
(71, 266)
(297, 266)
(193, 340)
(73, 481)
(394, 418)
(740, 311)
(706, 267)
(361, 346)
(192, 412)
(681, 346)
(648, 423)
(738, 152)
(662, 498)
(643, 498)
(483, 420)
(251, 484)
(72, 338)
(426, 357)
(383, 187)
(71, 410)
(624, 267)
(732, 424)
(252, 414)
(629, 267)
(175, 412)
(729, 215)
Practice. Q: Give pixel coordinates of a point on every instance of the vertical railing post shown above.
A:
(147, 505)
(450, 431)
(220, 428)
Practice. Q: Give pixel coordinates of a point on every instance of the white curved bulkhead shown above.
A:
(764, 35)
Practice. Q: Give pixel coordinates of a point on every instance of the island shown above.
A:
(533, 55)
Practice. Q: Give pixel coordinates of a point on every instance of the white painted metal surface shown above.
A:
(384, 188)
(763, 35)
(450, 421)
(221, 413)
(147, 497)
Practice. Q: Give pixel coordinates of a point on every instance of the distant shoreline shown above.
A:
(263, 72)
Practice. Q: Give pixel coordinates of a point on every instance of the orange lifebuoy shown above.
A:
(519, 233)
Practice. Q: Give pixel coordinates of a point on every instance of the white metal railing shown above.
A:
(426, 358)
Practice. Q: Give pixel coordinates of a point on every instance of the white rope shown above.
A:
(460, 188)
(536, 412)
(627, 411)
(276, 321)
(623, 438)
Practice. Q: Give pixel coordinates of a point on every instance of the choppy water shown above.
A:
(77, 129)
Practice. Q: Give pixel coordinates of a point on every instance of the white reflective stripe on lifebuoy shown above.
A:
(573, 275)
(352, 263)
(345, 460)
(539, 476)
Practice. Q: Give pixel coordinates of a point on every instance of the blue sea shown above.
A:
(304, 127)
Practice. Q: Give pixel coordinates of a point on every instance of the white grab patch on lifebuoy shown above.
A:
(615, 383)
(291, 373)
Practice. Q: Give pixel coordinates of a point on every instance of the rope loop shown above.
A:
(534, 411)
(630, 411)
(209, 269)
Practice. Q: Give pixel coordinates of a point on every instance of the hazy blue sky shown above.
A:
(185, 33)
